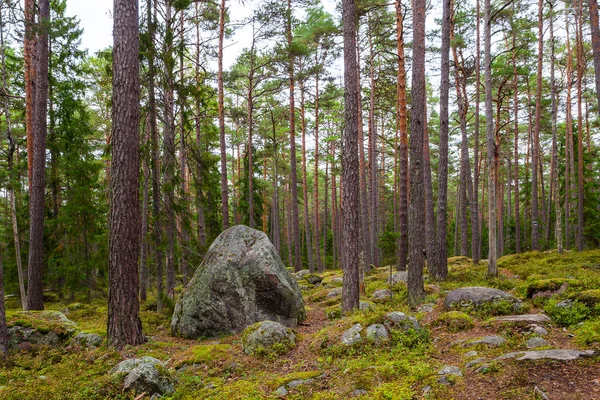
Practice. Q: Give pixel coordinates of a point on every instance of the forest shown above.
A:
(398, 151)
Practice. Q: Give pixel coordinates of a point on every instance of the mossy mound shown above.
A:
(543, 285)
(455, 321)
(43, 322)
(459, 260)
(588, 297)
(268, 338)
(202, 354)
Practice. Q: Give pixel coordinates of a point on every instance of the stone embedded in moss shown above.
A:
(267, 338)
(588, 297)
(145, 375)
(51, 328)
(377, 333)
(548, 287)
(490, 300)
(455, 321)
(313, 279)
(399, 320)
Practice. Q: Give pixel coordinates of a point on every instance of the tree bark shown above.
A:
(350, 195)
(402, 127)
(491, 145)
(580, 75)
(535, 229)
(29, 53)
(440, 268)
(221, 111)
(309, 249)
(416, 291)
(595, 43)
(476, 230)
(124, 325)
(373, 187)
(554, 170)
(317, 221)
(3, 328)
(516, 147)
(35, 300)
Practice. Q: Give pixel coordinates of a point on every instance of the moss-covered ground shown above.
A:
(398, 369)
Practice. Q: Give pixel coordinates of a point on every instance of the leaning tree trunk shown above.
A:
(416, 218)
(124, 325)
(35, 299)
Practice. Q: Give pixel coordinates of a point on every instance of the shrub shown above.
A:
(566, 313)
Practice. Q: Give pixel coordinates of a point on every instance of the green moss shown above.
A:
(43, 321)
(552, 284)
(333, 312)
(202, 354)
(455, 321)
(588, 333)
(284, 380)
(588, 297)
(318, 296)
(566, 315)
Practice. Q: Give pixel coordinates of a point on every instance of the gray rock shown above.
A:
(566, 304)
(483, 368)
(352, 335)
(299, 382)
(334, 292)
(444, 381)
(145, 374)
(20, 337)
(426, 308)
(382, 294)
(490, 341)
(281, 391)
(536, 342)
(560, 355)
(263, 336)
(401, 321)
(377, 333)
(359, 392)
(471, 353)
(89, 340)
(313, 279)
(474, 362)
(241, 281)
(533, 318)
(426, 390)
(337, 280)
(477, 295)
(540, 330)
(398, 277)
(450, 370)
(365, 306)
(302, 273)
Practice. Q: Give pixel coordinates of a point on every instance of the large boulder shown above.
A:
(241, 281)
(477, 296)
(50, 328)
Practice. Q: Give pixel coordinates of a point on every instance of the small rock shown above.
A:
(302, 273)
(398, 277)
(42, 377)
(565, 304)
(337, 280)
(298, 382)
(265, 335)
(490, 341)
(352, 335)
(533, 318)
(313, 279)
(335, 292)
(144, 376)
(444, 381)
(426, 308)
(426, 390)
(89, 340)
(359, 392)
(540, 330)
(281, 391)
(471, 353)
(474, 362)
(399, 320)
(382, 294)
(561, 355)
(483, 368)
(377, 333)
(535, 342)
(365, 306)
(450, 370)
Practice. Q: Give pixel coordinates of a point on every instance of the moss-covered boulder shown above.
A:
(241, 281)
(454, 321)
(267, 338)
(28, 328)
(549, 287)
(144, 375)
(588, 297)
(496, 301)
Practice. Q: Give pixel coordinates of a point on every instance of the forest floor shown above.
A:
(406, 367)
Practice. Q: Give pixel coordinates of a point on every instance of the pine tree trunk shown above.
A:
(402, 127)
(580, 77)
(350, 192)
(316, 228)
(554, 171)
(29, 55)
(476, 231)
(35, 300)
(184, 218)
(491, 145)
(440, 257)
(570, 163)
(3, 329)
(124, 325)
(364, 239)
(156, 203)
(430, 229)
(516, 147)
(201, 223)
(373, 230)
(595, 43)
(309, 249)
(535, 229)
(416, 219)
(144, 225)
(221, 111)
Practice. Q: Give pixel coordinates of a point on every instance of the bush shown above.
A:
(566, 313)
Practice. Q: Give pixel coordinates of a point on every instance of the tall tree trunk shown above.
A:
(316, 178)
(535, 229)
(364, 254)
(440, 258)
(29, 53)
(224, 188)
(185, 235)
(201, 223)
(580, 73)
(516, 147)
(350, 195)
(250, 152)
(295, 220)
(12, 177)
(491, 145)
(309, 249)
(144, 225)
(124, 325)
(554, 171)
(402, 127)
(169, 152)
(476, 230)
(325, 205)
(416, 219)
(595, 43)
(430, 229)
(373, 230)
(35, 299)
(156, 202)
(570, 163)
(3, 328)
